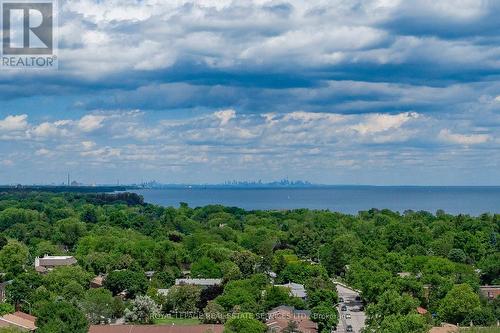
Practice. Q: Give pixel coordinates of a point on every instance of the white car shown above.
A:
(347, 316)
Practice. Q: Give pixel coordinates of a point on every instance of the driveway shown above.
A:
(358, 317)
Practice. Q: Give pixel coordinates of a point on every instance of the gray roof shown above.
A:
(199, 282)
(297, 290)
(56, 261)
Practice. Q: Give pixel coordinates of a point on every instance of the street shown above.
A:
(357, 320)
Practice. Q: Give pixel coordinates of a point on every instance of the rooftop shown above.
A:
(199, 282)
(297, 290)
(19, 319)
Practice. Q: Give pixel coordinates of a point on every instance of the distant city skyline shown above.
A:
(335, 92)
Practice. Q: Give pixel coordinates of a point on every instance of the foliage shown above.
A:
(61, 317)
(143, 310)
(134, 283)
(244, 323)
(183, 299)
(458, 303)
(97, 304)
(6, 308)
(119, 235)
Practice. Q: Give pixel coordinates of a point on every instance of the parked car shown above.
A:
(358, 298)
(348, 328)
(343, 308)
(341, 299)
(347, 316)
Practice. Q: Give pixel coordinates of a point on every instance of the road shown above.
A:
(358, 317)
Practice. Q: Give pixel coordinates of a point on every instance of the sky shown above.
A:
(381, 92)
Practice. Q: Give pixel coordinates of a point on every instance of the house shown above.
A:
(3, 286)
(278, 319)
(489, 292)
(204, 283)
(156, 329)
(47, 263)
(20, 320)
(296, 290)
(98, 281)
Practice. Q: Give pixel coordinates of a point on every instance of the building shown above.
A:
(296, 290)
(47, 263)
(156, 329)
(204, 283)
(20, 320)
(490, 292)
(278, 319)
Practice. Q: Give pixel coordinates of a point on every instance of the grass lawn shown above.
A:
(177, 321)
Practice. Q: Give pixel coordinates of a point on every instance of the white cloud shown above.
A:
(90, 123)
(376, 123)
(14, 123)
(463, 139)
(225, 116)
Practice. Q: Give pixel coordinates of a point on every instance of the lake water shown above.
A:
(346, 199)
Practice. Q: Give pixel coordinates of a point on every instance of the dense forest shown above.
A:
(398, 261)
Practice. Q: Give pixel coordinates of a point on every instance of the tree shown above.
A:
(457, 255)
(183, 299)
(97, 305)
(135, 283)
(391, 302)
(3, 241)
(144, 310)
(411, 323)
(57, 280)
(490, 268)
(13, 257)
(276, 296)
(68, 231)
(458, 303)
(61, 317)
(326, 296)
(325, 315)
(6, 308)
(244, 323)
(214, 313)
(23, 286)
(205, 268)
(89, 214)
(11, 216)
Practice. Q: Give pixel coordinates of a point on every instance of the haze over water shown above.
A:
(345, 199)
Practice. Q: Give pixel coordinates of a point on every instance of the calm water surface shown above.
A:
(346, 199)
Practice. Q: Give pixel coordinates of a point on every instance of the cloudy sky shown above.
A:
(331, 91)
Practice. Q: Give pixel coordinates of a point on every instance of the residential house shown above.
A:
(296, 290)
(47, 263)
(156, 329)
(490, 292)
(20, 320)
(278, 319)
(204, 283)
